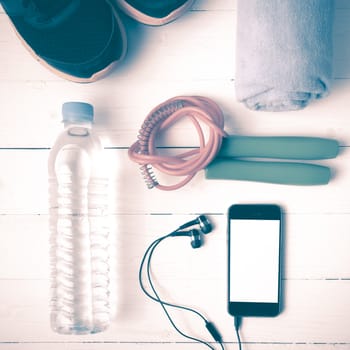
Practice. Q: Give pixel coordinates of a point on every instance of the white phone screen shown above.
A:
(254, 260)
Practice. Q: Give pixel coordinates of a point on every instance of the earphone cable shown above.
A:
(149, 252)
(237, 322)
(151, 247)
(156, 297)
(164, 304)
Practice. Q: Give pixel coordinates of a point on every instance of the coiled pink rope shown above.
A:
(200, 110)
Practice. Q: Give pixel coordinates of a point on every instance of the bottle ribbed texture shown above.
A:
(79, 242)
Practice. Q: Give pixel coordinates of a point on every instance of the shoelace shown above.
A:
(199, 110)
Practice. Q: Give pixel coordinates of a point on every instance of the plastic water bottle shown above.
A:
(78, 226)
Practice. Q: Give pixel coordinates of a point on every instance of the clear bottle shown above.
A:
(78, 226)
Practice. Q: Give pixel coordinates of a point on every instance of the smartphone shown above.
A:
(254, 259)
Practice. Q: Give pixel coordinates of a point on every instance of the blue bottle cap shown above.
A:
(77, 112)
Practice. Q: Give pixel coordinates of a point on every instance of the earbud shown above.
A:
(203, 223)
(196, 239)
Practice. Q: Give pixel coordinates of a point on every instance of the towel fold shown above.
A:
(283, 52)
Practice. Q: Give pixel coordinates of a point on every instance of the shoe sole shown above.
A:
(149, 20)
(96, 76)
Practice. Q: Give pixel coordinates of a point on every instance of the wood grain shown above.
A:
(193, 56)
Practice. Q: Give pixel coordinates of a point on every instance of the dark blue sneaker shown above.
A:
(79, 40)
(154, 12)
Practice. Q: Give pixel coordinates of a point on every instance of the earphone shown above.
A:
(196, 238)
(203, 222)
(204, 227)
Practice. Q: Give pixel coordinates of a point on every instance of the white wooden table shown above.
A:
(192, 56)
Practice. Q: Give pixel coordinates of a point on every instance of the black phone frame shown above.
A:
(258, 212)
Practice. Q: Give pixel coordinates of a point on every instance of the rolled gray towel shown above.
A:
(283, 52)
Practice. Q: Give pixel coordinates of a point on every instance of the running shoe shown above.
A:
(79, 40)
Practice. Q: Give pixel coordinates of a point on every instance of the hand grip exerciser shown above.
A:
(226, 165)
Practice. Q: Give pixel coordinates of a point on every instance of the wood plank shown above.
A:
(23, 185)
(145, 43)
(316, 273)
(164, 345)
(315, 247)
(119, 120)
(219, 5)
(119, 117)
(314, 312)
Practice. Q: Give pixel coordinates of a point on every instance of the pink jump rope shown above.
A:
(223, 156)
(187, 164)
